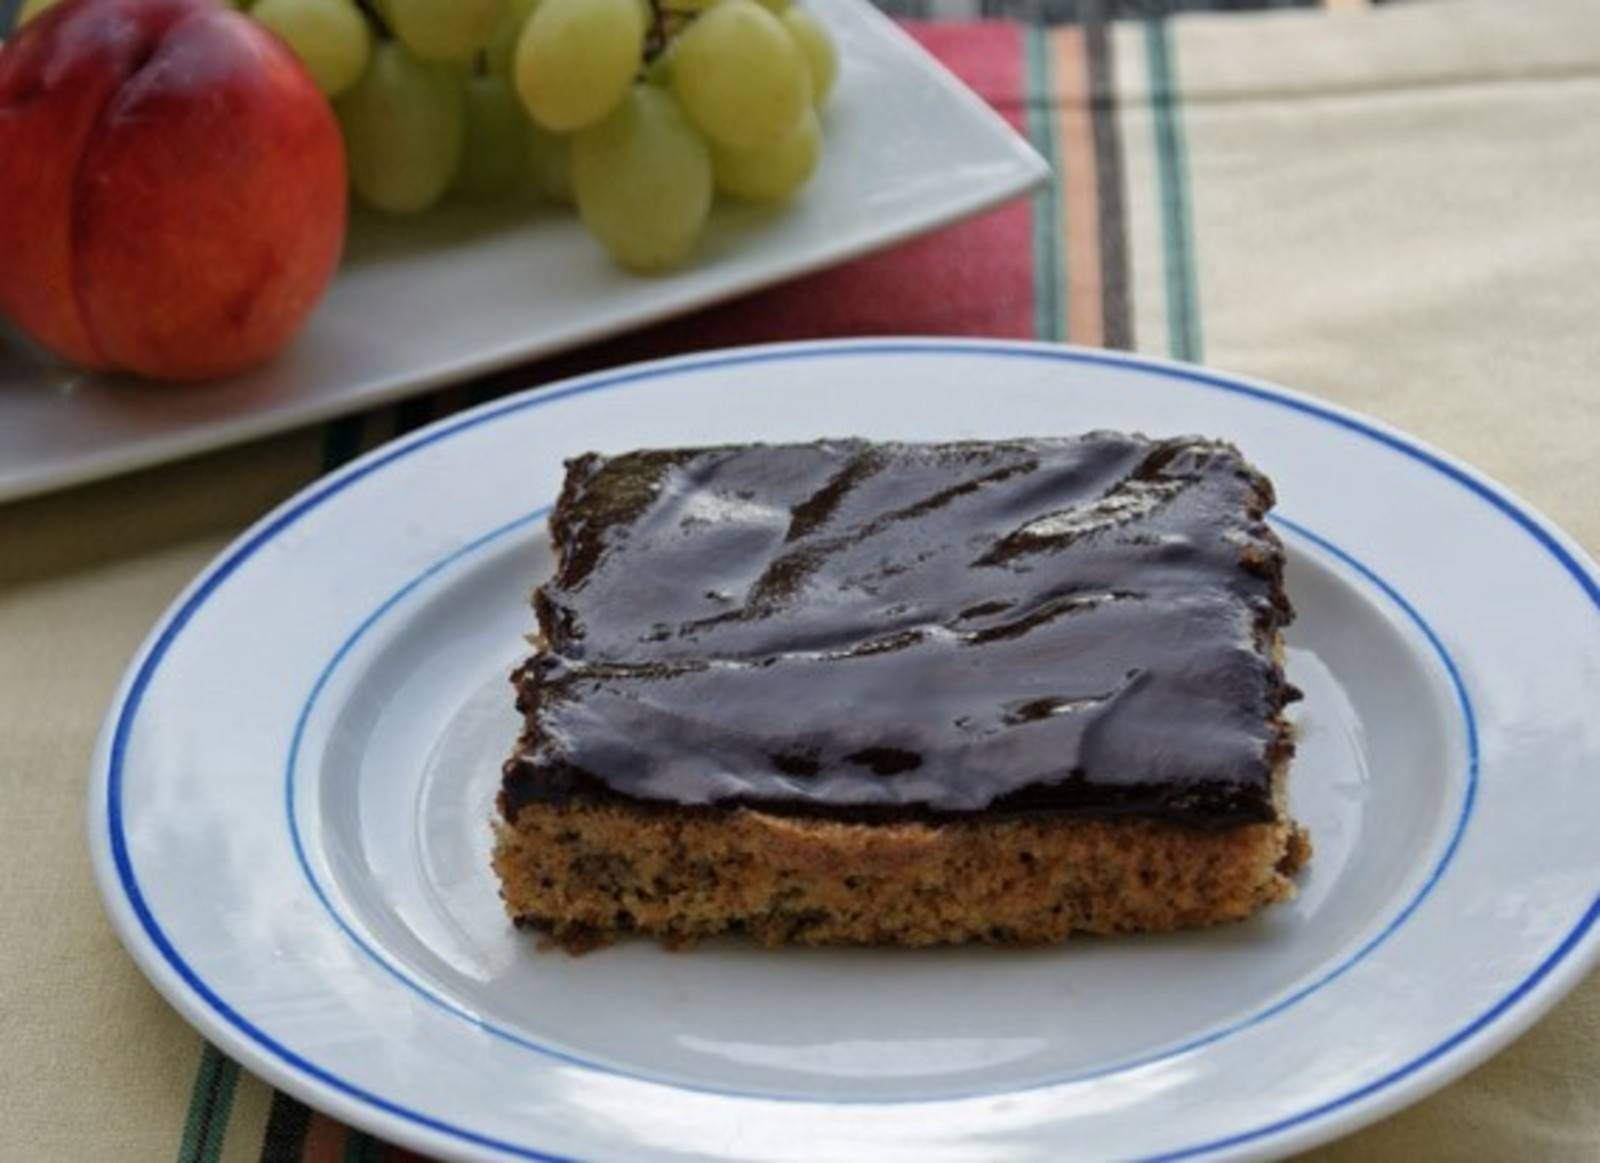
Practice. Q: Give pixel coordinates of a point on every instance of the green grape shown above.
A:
(770, 173)
(741, 77)
(403, 128)
(501, 52)
(444, 30)
(330, 37)
(776, 7)
(495, 146)
(550, 164)
(577, 59)
(642, 178)
(817, 46)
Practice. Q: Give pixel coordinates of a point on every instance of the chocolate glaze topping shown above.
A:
(889, 631)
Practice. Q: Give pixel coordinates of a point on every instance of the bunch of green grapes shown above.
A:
(636, 112)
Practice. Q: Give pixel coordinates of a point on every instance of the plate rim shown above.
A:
(1471, 1044)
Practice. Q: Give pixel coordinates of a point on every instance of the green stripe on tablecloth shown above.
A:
(415, 411)
(360, 1147)
(1183, 300)
(287, 1123)
(341, 440)
(210, 1104)
(1049, 287)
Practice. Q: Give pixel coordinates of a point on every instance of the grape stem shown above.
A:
(666, 22)
(370, 10)
(655, 37)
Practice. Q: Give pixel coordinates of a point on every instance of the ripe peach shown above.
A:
(172, 187)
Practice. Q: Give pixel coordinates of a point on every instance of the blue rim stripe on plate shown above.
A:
(127, 712)
(477, 544)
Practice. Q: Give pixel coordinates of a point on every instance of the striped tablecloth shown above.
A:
(1397, 208)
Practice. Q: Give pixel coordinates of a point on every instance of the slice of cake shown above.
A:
(904, 693)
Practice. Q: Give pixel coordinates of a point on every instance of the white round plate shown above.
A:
(291, 799)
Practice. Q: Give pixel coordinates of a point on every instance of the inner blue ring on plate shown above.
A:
(485, 540)
(127, 713)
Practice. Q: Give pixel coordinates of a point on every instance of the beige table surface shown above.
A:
(1395, 209)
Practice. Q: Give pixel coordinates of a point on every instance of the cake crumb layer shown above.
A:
(586, 873)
